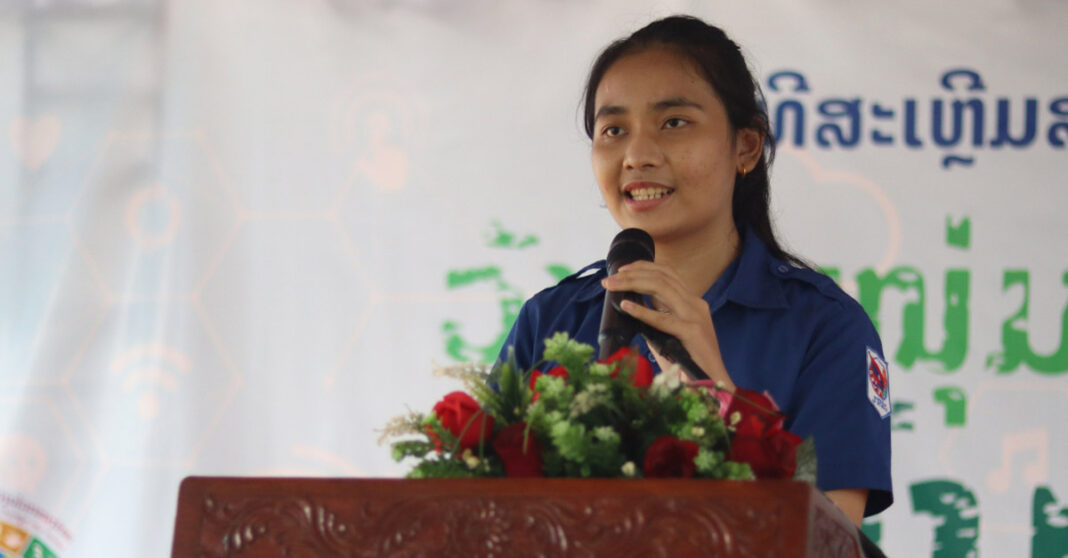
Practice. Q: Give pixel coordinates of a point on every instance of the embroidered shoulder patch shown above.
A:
(878, 384)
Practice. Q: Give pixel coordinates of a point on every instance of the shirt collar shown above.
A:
(754, 282)
(593, 274)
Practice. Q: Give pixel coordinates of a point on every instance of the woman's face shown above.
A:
(664, 154)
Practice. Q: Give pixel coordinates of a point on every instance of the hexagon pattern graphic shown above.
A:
(146, 365)
(153, 230)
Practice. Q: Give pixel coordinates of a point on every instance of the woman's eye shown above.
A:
(612, 131)
(674, 123)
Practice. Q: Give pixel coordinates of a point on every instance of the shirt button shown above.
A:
(783, 269)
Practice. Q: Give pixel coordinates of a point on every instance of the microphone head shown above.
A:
(630, 245)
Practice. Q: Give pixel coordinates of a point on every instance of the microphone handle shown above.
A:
(617, 327)
(670, 347)
(623, 327)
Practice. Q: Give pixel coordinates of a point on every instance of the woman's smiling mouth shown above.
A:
(645, 195)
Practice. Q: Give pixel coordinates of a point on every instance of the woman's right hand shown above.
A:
(675, 311)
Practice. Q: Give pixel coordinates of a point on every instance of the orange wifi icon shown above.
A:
(149, 371)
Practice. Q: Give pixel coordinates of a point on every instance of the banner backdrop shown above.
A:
(235, 236)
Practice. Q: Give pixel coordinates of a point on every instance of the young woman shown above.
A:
(681, 148)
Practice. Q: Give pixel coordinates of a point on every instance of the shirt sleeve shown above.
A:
(843, 402)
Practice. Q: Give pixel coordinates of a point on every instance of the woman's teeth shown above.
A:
(642, 194)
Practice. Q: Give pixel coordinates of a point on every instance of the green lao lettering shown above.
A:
(955, 322)
(956, 513)
(1050, 522)
(1016, 349)
(1015, 340)
(509, 297)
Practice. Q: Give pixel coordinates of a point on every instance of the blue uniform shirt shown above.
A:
(789, 331)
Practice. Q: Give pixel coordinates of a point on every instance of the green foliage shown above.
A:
(512, 395)
(713, 464)
(431, 424)
(571, 354)
(411, 448)
(555, 391)
(570, 440)
(442, 469)
(806, 462)
(707, 461)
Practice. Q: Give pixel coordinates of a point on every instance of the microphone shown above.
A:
(618, 327)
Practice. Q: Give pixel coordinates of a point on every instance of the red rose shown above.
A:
(643, 371)
(746, 403)
(461, 415)
(558, 371)
(669, 456)
(768, 449)
(519, 459)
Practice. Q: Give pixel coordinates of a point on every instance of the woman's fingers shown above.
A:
(676, 312)
(655, 282)
(656, 318)
(668, 295)
(681, 323)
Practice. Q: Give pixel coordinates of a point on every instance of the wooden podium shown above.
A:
(259, 517)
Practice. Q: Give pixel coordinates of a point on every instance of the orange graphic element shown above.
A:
(12, 538)
(150, 240)
(384, 164)
(1030, 443)
(374, 123)
(156, 372)
(23, 462)
(35, 140)
(868, 187)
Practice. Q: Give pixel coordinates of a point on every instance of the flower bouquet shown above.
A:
(607, 418)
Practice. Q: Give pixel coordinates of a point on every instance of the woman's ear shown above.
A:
(749, 144)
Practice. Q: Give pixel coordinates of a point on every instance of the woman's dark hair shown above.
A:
(721, 63)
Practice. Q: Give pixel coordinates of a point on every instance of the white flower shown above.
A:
(668, 381)
(668, 378)
(460, 370)
(735, 417)
(629, 469)
(589, 399)
(470, 459)
(698, 431)
(582, 404)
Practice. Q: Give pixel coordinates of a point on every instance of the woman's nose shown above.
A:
(643, 151)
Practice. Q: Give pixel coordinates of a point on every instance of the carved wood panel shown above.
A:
(557, 517)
